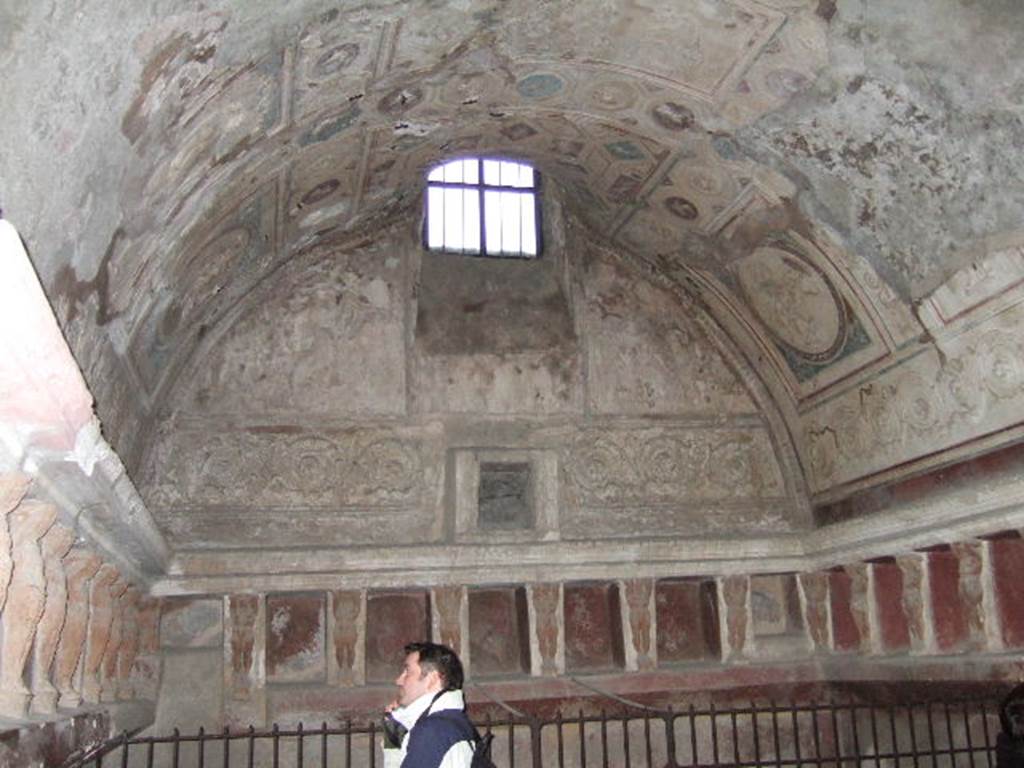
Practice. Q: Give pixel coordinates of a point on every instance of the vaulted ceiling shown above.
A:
(803, 175)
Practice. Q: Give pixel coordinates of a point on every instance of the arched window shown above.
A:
(483, 207)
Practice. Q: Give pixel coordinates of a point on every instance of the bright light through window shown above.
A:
(486, 207)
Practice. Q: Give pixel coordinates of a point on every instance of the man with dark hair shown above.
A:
(430, 710)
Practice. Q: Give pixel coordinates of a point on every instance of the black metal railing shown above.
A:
(944, 734)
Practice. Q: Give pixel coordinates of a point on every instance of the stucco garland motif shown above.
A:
(924, 405)
(360, 468)
(647, 466)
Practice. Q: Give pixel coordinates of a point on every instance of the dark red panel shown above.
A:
(392, 620)
(593, 627)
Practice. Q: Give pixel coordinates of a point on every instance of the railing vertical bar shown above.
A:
(511, 745)
(670, 738)
(149, 754)
(894, 737)
(348, 744)
(625, 741)
(298, 747)
(757, 735)
(323, 744)
(604, 738)
(949, 735)
(583, 743)
(124, 749)
(735, 738)
(373, 745)
(227, 747)
(276, 736)
(251, 746)
(714, 734)
(816, 737)
(775, 734)
(200, 748)
(984, 730)
(796, 732)
(647, 738)
(837, 746)
(856, 733)
(874, 737)
(176, 748)
(693, 736)
(967, 731)
(560, 740)
(931, 734)
(535, 742)
(913, 736)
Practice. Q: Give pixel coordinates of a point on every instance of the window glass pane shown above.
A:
(492, 172)
(435, 217)
(525, 176)
(453, 218)
(529, 219)
(471, 171)
(471, 220)
(492, 219)
(510, 222)
(453, 172)
(437, 174)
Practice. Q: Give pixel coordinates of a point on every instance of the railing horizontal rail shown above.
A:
(924, 734)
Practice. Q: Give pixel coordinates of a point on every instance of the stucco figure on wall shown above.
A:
(13, 486)
(26, 597)
(108, 665)
(129, 644)
(101, 614)
(55, 545)
(80, 566)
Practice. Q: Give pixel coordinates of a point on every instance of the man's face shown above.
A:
(414, 681)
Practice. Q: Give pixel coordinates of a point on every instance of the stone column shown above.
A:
(13, 486)
(26, 597)
(916, 602)
(108, 667)
(734, 606)
(55, 545)
(80, 566)
(814, 603)
(129, 644)
(547, 630)
(348, 638)
(245, 680)
(638, 622)
(100, 616)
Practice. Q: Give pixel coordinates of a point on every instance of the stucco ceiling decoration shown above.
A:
(347, 118)
(802, 177)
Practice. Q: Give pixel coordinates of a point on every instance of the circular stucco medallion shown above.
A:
(793, 299)
(672, 116)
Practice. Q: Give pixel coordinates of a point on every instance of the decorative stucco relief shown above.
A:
(964, 388)
(672, 481)
(292, 485)
(327, 336)
(354, 468)
(618, 467)
(646, 356)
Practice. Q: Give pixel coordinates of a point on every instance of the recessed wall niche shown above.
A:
(776, 615)
(295, 638)
(499, 639)
(392, 620)
(686, 613)
(593, 627)
(506, 495)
